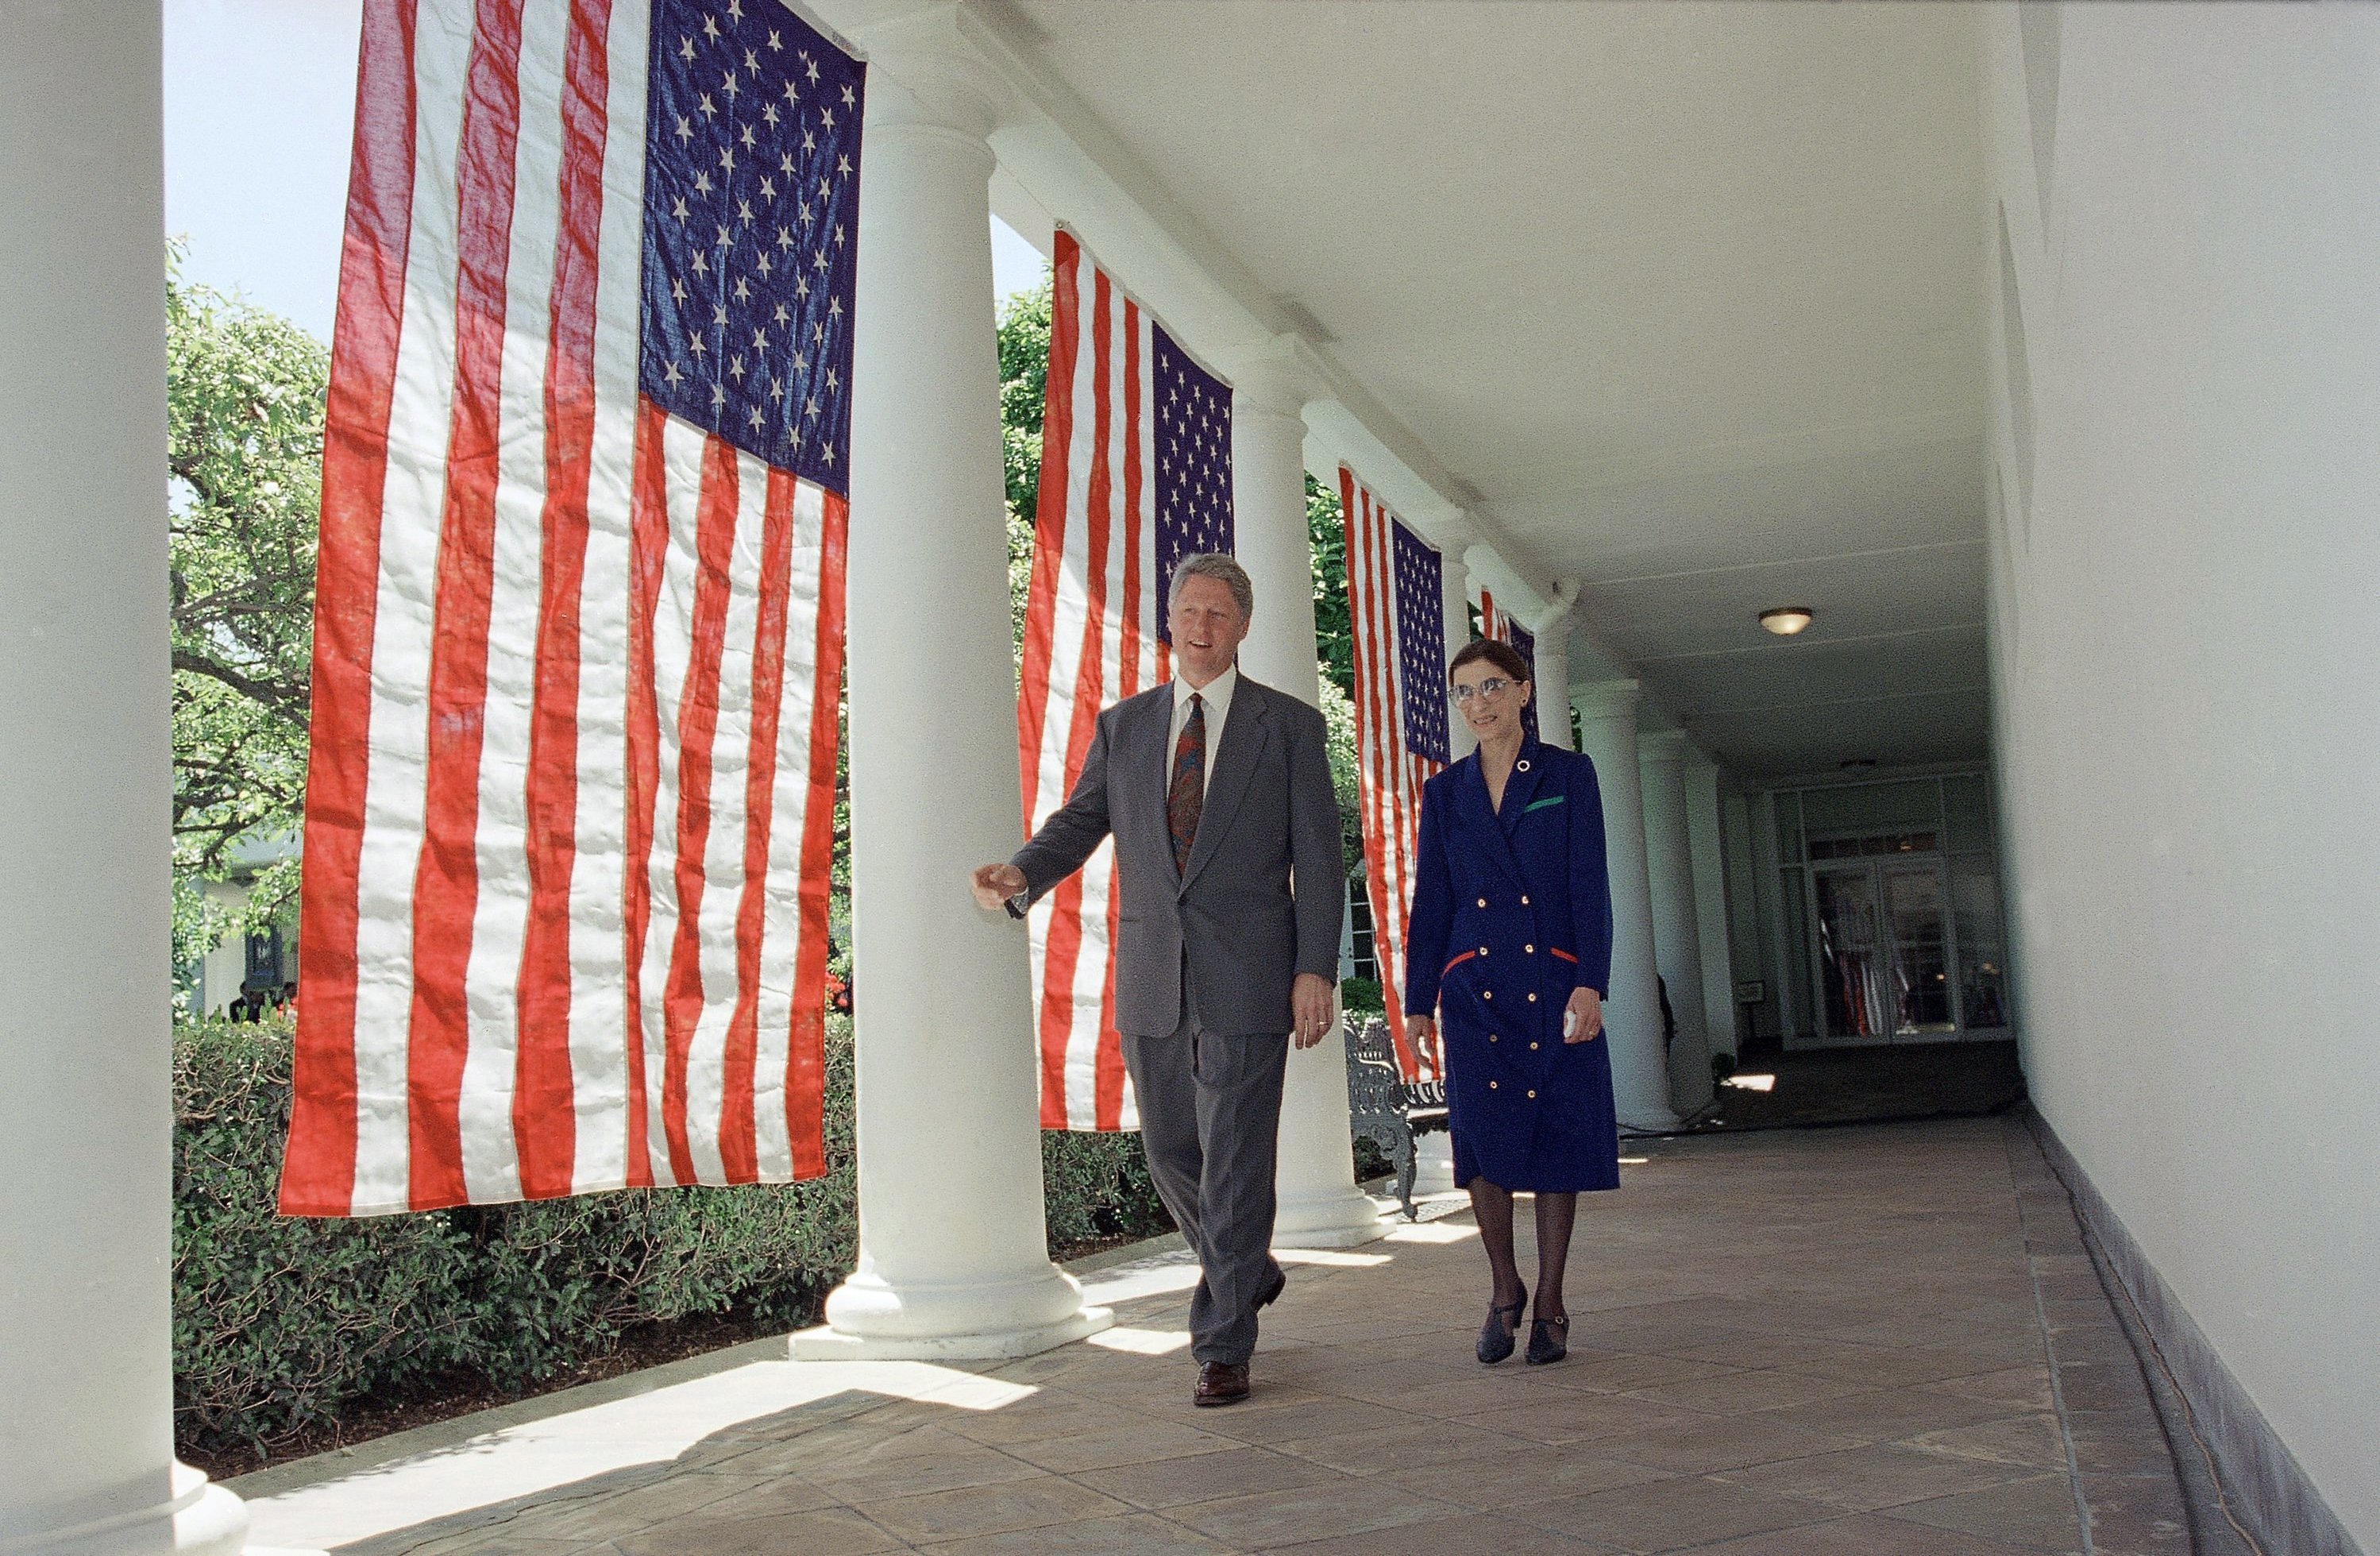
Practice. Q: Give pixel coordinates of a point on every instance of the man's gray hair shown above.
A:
(1219, 566)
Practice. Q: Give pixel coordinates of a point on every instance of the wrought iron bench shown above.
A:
(1383, 1106)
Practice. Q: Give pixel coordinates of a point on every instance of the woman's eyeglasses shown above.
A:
(1487, 691)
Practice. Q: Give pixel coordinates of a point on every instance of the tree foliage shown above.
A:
(1024, 389)
(244, 413)
(1334, 644)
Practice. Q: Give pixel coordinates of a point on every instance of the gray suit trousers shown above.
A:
(1210, 1124)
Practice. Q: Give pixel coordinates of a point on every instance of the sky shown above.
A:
(259, 114)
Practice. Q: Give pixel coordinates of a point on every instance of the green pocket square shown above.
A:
(1541, 804)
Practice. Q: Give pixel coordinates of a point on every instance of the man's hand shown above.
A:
(1421, 1031)
(1586, 1007)
(994, 884)
(1309, 1008)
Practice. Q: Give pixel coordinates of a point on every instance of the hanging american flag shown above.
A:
(578, 625)
(1136, 475)
(1397, 609)
(1494, 623)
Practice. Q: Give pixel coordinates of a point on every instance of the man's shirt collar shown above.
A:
(1216, 694)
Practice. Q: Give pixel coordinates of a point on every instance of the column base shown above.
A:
(872, 1319)
(214, 1522)
(1335, 1219)
(828, 1344)
(201, 1519)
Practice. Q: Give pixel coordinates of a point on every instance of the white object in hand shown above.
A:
(1570, 1023)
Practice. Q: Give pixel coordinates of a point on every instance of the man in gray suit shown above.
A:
(1218, 792)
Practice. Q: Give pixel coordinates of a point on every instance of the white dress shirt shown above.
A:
(1216, 695)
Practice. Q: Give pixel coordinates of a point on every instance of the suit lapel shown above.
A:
(1481, 820)
(1150, 763)
(1235, 763)
(1519, 784)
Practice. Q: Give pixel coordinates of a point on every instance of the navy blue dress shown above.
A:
(1512, 912)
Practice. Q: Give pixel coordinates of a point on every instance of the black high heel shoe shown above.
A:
(1549, 1340)
(1495, 1335)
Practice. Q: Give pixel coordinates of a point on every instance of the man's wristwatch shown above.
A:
(1018, 904)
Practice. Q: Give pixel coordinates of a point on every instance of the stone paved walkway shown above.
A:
(1845, 1343)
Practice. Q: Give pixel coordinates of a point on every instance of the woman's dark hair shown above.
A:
(1503, 656)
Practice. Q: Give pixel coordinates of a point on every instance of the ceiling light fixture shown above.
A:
(1786, 620)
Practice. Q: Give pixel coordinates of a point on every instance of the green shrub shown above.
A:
(281, 1324)
(1362, 996)
(277, 1324)
(1097, 1187)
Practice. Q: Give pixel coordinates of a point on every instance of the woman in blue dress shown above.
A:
(1508, 954)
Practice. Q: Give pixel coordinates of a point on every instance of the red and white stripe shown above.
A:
(570, 808)
(1493, 622)
(1090, 641)
(1388, 776)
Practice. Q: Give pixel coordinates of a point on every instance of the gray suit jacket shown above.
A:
(1270, 819)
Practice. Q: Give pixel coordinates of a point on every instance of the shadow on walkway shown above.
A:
(1897, 1083)
(1840, 1342)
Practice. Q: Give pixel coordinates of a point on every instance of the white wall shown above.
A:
(226, 967)
(2187, 696)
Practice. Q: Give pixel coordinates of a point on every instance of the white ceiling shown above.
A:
(1687, 294)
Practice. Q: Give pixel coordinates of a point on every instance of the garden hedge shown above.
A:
(280, 1324)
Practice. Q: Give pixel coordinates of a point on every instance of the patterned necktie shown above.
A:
(1186, 794)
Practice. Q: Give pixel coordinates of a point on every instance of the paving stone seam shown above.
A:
(2050, 1352)
(2199, 1478)
(2025, 1150)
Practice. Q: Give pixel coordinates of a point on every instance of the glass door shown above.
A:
(1914, 898)
(1883, 950)
(1855, 998)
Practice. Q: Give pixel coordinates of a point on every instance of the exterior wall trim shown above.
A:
(2267, 1488)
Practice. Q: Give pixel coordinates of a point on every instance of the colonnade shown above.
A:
(953, 1259)
(1665, 852)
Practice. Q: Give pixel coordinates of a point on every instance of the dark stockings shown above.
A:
(1491, 1207)
(1555, 1215)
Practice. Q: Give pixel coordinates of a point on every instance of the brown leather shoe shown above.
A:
(1220, 1383)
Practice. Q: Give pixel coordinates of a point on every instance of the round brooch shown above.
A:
(1523, 765)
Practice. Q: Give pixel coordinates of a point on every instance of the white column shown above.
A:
(1551, 673)
(1785, 953)
(1456, 584)
(1677, 928)
(954, 1259)
(1631, 1014)
(86, 1367)
(1708, 839)
(1745, 958)
(1320, 1204)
